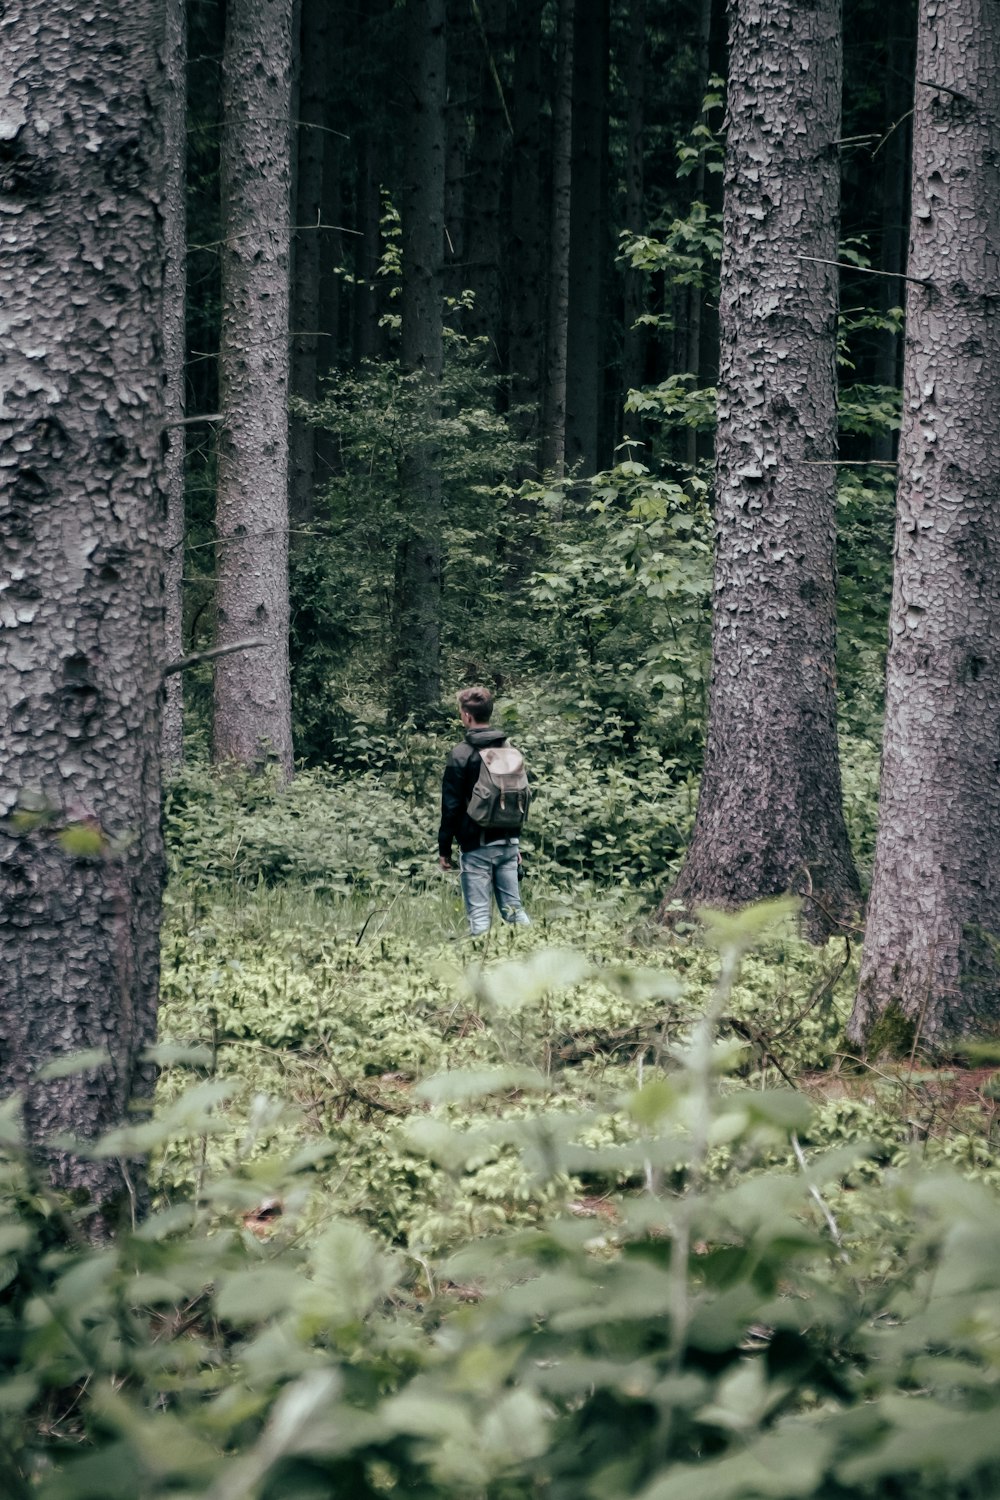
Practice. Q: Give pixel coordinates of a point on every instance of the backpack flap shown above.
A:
(501, 795)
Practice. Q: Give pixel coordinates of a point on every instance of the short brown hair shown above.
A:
(477, 701)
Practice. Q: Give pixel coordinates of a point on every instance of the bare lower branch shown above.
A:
(183, 662)
(207, 416)
(846, 265)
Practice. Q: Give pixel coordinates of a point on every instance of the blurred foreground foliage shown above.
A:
(571, 1214)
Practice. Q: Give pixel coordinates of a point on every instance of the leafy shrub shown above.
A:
(707, 1332)
(326, 832)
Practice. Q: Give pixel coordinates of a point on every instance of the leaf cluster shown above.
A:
(714, 1320)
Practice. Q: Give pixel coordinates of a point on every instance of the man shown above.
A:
(489, 858)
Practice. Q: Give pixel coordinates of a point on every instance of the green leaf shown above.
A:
(451, 1149)
(174, 1055)
(788, 1464)
(255, 1295)
(516, 1430)
(742, 930)
(350, 1276)
(74, 1062)
(460, 1084)
(928, 1438)
(785, 1108)
(655, 1099)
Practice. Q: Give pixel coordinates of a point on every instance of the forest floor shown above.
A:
(582, 1209)
(331, 1011)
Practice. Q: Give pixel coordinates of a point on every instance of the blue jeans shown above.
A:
(487, 872)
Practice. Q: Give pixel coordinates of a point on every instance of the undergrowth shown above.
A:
(578, 1210)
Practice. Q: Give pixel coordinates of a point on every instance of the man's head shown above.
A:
(475, 704)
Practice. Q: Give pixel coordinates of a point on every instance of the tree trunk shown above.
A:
(696, 294)
(769, 815)
(895, 152)
(367, 304)
(485, 186)
(416, 666)
(525, 262)
(634, 349)
(252, 697)
(81, 565)
(557, 320)
(175, 348)
(462, 46)
(930, 961)
(308, 246)
(588, 239)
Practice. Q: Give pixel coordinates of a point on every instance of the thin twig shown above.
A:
(923, 1012)
(850, 463)
(292, 228)
(820, 993)
(815, 1193)
(894, 126)
(893, 1078)
(208, 125)
(183, 662)
(846, 265)
(491, 63)
(758, 1039)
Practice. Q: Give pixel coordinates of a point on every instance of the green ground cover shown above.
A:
(584, 1210)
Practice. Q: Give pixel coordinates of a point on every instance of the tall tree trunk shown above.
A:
(174, 349)
(557, 319)
(588, 238)
(369, 246)
(416, 667)
(930, 958)
(634, 350)
(895, 153)
(308, 246)
(81, 564)
(696, 294)
(485, 186)
(252, 697)
(525, 260)
(769, 815)
(462, 45)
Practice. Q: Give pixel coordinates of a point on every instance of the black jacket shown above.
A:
(461, 773)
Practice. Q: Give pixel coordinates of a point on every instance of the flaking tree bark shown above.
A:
(252, 695)
(769, 815)
(82, 513)
(930, 959)
(174, 342)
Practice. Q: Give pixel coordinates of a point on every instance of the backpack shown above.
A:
(501, 795)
